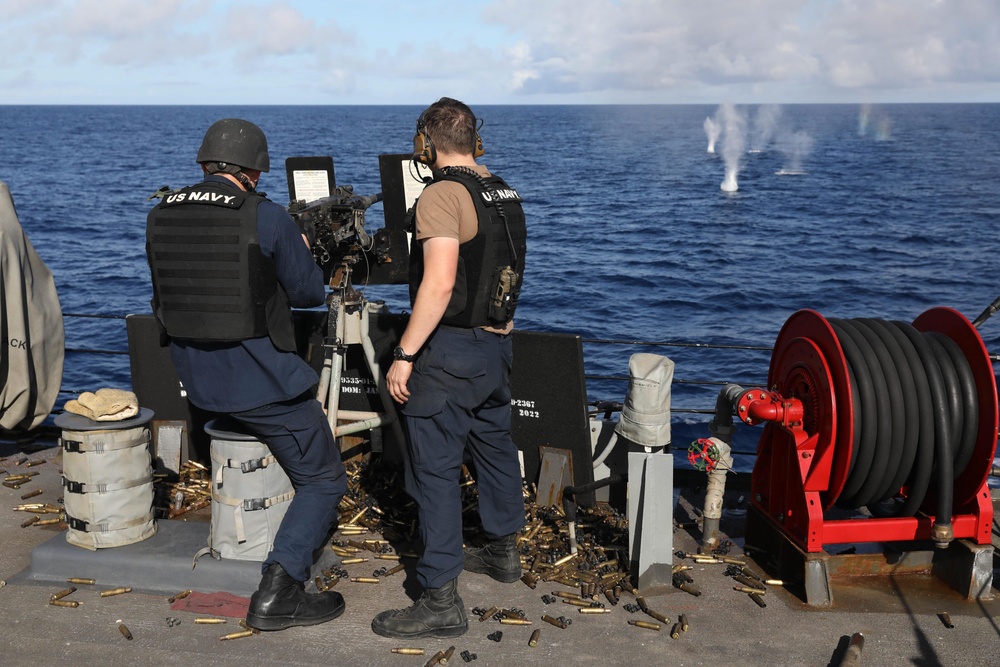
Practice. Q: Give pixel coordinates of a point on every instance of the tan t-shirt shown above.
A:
(445, 209)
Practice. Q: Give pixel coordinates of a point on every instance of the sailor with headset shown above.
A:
(452, 368)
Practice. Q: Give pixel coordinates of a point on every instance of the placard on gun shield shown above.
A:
(309, 178)
(549, 403)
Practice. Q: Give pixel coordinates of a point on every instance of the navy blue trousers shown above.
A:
(299, 437)
(460, 400)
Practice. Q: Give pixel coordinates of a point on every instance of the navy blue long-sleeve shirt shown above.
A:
(234, 377)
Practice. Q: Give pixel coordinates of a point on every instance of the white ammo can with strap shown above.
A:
(250, 494)
(107, 480)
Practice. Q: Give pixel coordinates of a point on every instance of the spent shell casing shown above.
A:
(645, 624)
(122, 628)
(488, 614)
(394, 570)
(31, 494)
(675, 632)
(116, 591)
(658, 616)
(758, 600)
(63, 593)
(387, 556)
(946, 619)
(554, 621)
(515, 621)
(408, 651)
(533, 640)
(81, 580)
(577, 603)
(567, 595)
(180, 596)
(447, 655)
(352, 561)
(435, 659)
(748, 589)
(243, 624)
(774, 582)
(529, 580)
(209, 620)
(365, 580)
(48, 522)
(594, 610)
(641, 601)
(237, 635)
(683, 620)
(732, 561)
(30, 522)
(64, 603)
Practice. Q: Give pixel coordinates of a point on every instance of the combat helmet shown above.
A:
(235, 142)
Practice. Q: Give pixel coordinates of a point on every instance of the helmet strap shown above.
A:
(232, 170)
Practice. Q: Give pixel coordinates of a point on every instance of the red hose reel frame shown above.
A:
(804, 453)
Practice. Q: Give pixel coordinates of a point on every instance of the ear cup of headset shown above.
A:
(423, 148)
(479, 150)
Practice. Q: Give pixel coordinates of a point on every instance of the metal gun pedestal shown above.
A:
(347, 324)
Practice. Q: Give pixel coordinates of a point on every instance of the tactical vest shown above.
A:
(482, 259)
(211, 282)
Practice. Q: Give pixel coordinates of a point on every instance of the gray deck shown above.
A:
(898, 615)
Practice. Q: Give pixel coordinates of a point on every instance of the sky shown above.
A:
(498, 51)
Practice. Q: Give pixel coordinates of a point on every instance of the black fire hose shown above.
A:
(916, 413)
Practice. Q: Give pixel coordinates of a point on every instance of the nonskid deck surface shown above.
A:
(899, 616)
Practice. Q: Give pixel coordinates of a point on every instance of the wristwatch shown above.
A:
(397, 353)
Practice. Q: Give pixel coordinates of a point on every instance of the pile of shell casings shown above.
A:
(192, 490)
(38, 510)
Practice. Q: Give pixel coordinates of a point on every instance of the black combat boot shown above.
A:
(281, 602)
(499, 559)
(439, 612)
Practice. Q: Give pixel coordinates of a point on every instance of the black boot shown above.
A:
(499, 559)
(439, 612)
(281, 602)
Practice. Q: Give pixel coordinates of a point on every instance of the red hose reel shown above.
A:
(804, 454)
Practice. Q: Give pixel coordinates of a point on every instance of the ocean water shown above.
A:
(850, 210)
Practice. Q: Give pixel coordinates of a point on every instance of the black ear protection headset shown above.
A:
(423, 147)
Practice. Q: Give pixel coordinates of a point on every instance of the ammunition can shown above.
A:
(63, 593)
(180, 596)
(645, 624)
(684, 622)
(408, 651)
(237, 635)
(73, 604)
(209, 620)
(533, 640)
(365, 580)
(116, 591)
(126, 633)
(81, 580)
(675, 632)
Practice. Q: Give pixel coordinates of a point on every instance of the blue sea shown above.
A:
(850, 210)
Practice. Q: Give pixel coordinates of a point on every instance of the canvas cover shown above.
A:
(645, 418)
(31, 327)
(250, 495)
